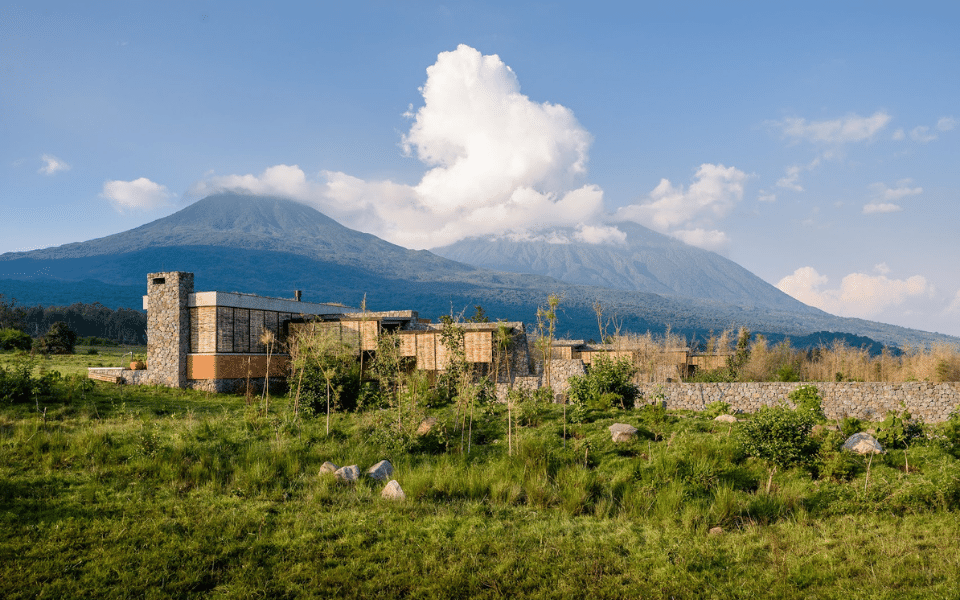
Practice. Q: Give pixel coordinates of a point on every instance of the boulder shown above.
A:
(328, 467)
(393, 491)
(862, 443)
(347, 474)
(716, 530)
(426, 425)
(621, 432)
(380, 471)
(726, 419)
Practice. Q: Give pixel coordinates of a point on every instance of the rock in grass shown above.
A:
(328, 467)
(621, 432)
(716, 530)
(380, 471)
(393, 491)
(426, 425)
(862, 443)
(347, 474)
(726, 419)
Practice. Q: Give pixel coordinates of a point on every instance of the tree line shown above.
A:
(123, 325)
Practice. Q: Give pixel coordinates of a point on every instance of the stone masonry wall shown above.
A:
(168, 327)
(932, 402)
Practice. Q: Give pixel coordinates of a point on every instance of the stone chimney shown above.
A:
(168, 327)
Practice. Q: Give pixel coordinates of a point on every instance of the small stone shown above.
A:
(862, 443)
(621, 432)
(716, 530)
(328, 467)
(347, 474)
(393, 491)
(380, 471)
(726, 419)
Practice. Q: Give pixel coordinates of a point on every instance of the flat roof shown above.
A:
(255, 302)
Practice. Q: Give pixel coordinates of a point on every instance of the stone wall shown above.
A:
(168, 327)
(932, 402)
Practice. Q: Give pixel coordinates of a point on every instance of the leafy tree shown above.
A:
(779, 436)
(59, 340)
(807, 398)
(14, 339)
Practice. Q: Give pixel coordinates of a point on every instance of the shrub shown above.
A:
(14, 339)
(850, 426)
(807, 399)
(899, 430)
(779, 436)
(60, 339)
(608, 382)
(717, 408)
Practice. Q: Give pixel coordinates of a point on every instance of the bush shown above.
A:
(14, 339)
(807, 399)
(606, 383)
(779, 436)
(60, 339)
(717, 408)
(899, 430)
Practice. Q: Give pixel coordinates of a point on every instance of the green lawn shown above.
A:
(146, 492)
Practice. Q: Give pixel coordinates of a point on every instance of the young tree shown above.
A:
(502, 343)
(59, 340)
(779, 436)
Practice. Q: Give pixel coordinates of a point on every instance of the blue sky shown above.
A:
(817, 144)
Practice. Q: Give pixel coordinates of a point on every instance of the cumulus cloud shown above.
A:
(52, 165)
(947, 123)
(789, 180)
(860, 295)
(873, 208)
(852, 128)
(686, 213)
(922, 134)
(496, 161)
(954, 307)
(140, 194)
(898, 135)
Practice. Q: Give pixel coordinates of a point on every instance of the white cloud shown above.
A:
(685, 213)
(954, 306)
(922, 134)
(52, 164)
(497, 161)
(885, 197)
(859, 295)
(947, 123)
(141, 194)
(880, 208)
(898, 135)
(852, 128)
(789, 180)
(707, 239)
(766, 196)
(599, 234)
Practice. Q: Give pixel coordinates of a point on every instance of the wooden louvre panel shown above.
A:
(256, 329)
(478, 346)
(194, 330)
(350, 334)
(369, 332)
(241, 330)
(442, 353)
(224, 329)
(408, 344)
(427, 351)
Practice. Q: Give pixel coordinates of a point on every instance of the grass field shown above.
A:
(155, 493)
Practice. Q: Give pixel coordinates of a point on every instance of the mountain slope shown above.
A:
(647, 261)
(272, 247)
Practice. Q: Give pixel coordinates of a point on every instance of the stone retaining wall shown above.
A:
(932, 402)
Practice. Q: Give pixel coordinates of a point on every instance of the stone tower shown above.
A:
(168, 327)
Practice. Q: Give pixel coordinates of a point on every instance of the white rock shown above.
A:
(726, 419)
(380, 471)
(621, 432)
(716, 530)
(328, 467)
(393, 491)
(863, 443)
(348, 474)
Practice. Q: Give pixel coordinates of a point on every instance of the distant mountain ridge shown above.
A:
(647, 261)
(273, 246)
